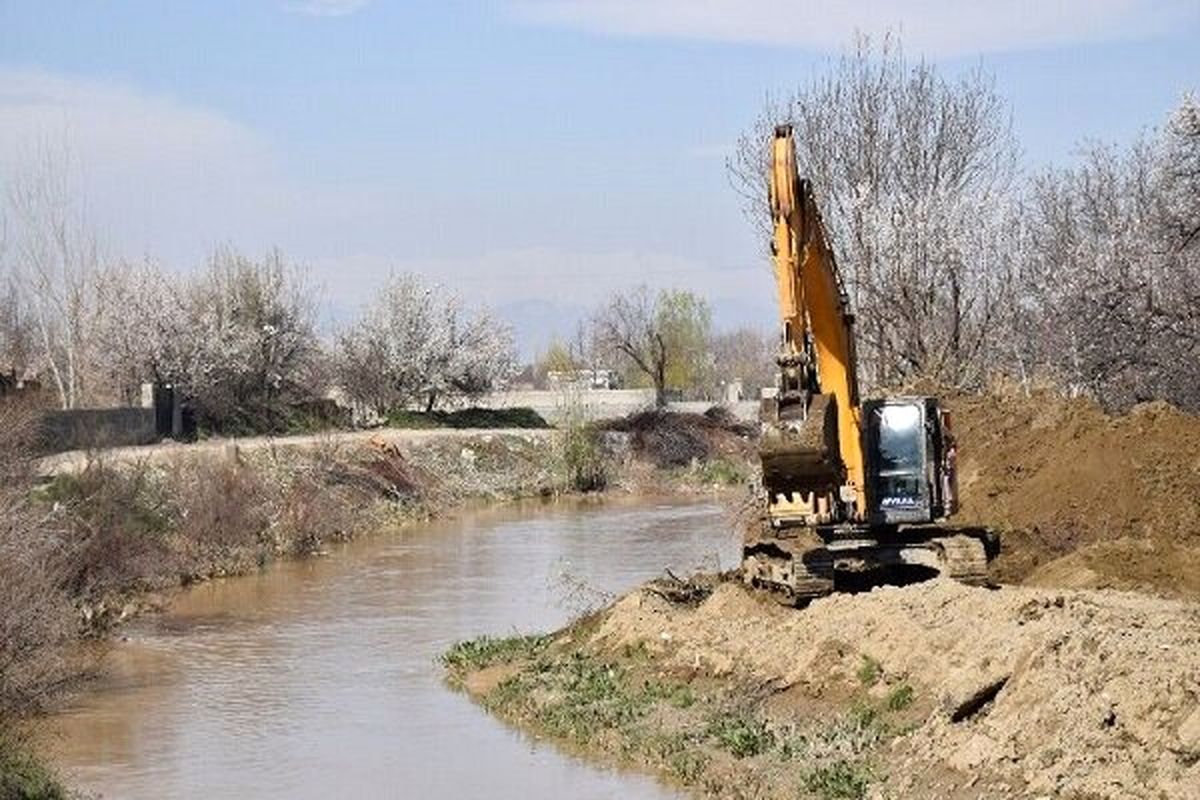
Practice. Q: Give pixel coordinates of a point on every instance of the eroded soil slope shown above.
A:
(1084, 499)
(1024, 691)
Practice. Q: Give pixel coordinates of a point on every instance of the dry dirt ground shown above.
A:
(935, 690)
(1028, 691)
(1084, 499)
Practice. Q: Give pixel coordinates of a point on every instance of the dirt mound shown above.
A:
(673, 439)
(1063, 693)
(1083, 498)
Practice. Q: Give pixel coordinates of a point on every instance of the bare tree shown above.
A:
(18, 336)
(745, 355)
(663, 337)
(36, 618)
(913, 172)
(54, 252)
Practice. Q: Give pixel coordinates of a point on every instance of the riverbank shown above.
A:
(901, 692)
(119, 536)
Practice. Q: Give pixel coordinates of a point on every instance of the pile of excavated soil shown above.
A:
(1084, 499)
(675, 439)
(1027, 691)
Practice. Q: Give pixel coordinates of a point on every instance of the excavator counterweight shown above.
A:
(849, 488)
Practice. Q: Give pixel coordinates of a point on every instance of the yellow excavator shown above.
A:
(854, 493)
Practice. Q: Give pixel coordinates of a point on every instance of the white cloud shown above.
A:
(929, 27)
(326, 8)
(158, 175)
(171, 180)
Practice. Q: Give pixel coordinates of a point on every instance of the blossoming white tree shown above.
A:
(237, 340)
(913, 173)
(417, 344)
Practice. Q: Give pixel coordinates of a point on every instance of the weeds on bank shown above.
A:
(580, 449)
(741, 734)
(869, 671)
(722, 472)
(839, 780)
(22, 775)
(487, 651)
(589, 700)
(899, 698)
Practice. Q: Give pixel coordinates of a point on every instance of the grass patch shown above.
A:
(687, 765)
(676, 695)
(741, 734)
(592, 696)
(869, 671)
(899, 698)
(723, 472)
(487, 651)
(23, 776)
(625, 707)
(839, 780)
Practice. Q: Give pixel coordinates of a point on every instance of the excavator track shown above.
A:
(795, 571)
(964, 558)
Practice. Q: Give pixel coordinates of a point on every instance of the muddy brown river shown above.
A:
(319, 679)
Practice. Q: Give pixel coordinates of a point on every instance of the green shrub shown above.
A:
(723, 472)
(900, 698)
(869, 671)
(741, 735)
(839, 780)
(580, 451)
(23, 776)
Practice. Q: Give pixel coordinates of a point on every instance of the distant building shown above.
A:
(13, 381)
(583, 379)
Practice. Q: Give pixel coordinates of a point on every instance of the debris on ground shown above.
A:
(675, 439)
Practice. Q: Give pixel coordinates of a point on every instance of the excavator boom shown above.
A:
(817, 358)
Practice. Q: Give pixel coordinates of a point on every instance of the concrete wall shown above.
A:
(601, 403)
(89, 428)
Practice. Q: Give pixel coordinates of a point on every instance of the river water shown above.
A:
(318, 678)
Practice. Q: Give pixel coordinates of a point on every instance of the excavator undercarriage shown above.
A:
(795, 569)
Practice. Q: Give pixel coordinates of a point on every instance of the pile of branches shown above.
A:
(672, 439)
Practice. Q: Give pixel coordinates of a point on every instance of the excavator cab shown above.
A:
(910, 461)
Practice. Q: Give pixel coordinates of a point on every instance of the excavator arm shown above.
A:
(813, 444)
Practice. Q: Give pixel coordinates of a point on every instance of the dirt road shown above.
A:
(75, 460)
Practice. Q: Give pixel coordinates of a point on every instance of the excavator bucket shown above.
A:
(801, 463)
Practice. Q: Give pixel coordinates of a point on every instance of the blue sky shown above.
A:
(535, 154)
